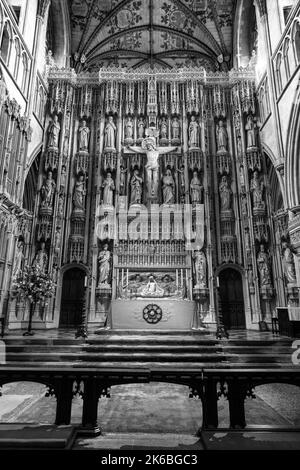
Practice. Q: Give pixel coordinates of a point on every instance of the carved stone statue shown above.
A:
(48, 190)
(288, 264)
(152, 167)
(250, 128)
(200, 268)
(123, 172)
(136, 188)
(193, 133)
(163, 129)
(84, 135)
(129, 128)
(40, 261)
(222, 137)
(104, 267)
(182, 179)
(175, 129)
(257, 188)
(225, 194)
(79, 193)
(108, 190)
(141, 128)
(168, 188)
(110, 135)
(152, 289)
(19, 257)
(57, 239)
(247, 241)
(60, 209)
(263, 265)
(54, 131)
(63, 176)
(196, 189)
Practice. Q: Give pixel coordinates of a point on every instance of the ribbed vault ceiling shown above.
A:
(172, 33)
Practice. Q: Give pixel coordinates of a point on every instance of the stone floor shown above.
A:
(157, 415)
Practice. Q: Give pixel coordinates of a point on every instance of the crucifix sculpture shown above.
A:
(153, 152)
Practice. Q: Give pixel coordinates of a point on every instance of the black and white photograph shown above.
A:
(149, 229)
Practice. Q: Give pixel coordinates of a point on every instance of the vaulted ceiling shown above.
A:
(171, 33)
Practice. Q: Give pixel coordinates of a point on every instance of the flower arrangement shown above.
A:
(36, 286)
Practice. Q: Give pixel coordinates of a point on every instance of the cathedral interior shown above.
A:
(150, 218)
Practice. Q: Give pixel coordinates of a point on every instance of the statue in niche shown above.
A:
(250, 276)
(48, 190)
(136, 188)
(104, 267)
(175, 129)
(57, 240)
(251, 132)
(182, 179)
(84, 135)
(108, 190)
(200, 268)
(247, 241)
(168, 188)
(239, 146)
(60, 209)
(79, 193)
(110, 134)
(196, 189)
(222, 137)
(63, 176)
(129, 128)
(193, 133)
(40, 261)
(19, 257)
(123, 172)
(141, 128)
(263, 265)
(54, 131)
(244, 204)
(257, 188)
(242, 177)
(225, 194)
(152, 167)
(163, 129)
(288, 264)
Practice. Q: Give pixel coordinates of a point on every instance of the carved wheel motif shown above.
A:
(152, 314)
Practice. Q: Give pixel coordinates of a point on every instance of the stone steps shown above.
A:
(135, 349)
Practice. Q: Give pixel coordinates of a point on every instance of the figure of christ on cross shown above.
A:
(152, 167)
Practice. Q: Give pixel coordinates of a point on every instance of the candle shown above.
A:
(218, 282)
(85, 281)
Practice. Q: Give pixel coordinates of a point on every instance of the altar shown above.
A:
(152, 314)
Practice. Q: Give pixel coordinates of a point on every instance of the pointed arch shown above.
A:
(292, 176)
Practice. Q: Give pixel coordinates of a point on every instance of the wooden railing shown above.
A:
(206, 384)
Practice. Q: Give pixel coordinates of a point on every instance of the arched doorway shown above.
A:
(72, 298)
(232, 299)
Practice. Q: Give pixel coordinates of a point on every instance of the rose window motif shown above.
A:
(152, 314)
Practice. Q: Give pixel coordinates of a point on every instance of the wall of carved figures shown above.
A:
(206, 153)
